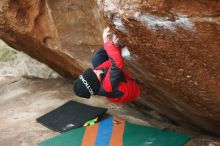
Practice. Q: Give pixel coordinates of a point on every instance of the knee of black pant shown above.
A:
(99, 57)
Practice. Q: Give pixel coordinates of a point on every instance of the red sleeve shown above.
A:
(114, 74)
(105, 64)
(114, 53)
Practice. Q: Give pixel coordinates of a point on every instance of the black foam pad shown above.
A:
(70, 115)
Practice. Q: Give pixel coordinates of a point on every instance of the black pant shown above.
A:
(99, 57)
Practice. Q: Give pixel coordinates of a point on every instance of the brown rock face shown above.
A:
(58, 34)
(174, 46)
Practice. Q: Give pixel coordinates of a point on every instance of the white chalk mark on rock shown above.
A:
(119, 25)
(110, 7)
(156, 22)
(125, 52)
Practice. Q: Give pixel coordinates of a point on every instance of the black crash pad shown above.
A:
(69, 116)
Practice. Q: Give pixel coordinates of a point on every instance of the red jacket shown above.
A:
(117, 85)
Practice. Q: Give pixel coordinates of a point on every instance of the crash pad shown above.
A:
(69, 116)
(114, 131)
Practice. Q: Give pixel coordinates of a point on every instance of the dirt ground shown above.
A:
(23, 100)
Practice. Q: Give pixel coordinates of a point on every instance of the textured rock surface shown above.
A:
(177, 46)
(57, 33)
(174, 46)
(16, 63)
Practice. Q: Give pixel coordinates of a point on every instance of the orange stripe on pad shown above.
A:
(89, 137)
(117, 132)
(190, 143)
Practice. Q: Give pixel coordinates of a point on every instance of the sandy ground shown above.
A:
(23, 100)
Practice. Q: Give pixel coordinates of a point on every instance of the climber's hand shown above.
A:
(115, 39)
(107, 36)
(118, 43)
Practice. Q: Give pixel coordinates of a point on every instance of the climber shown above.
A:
(108, 77)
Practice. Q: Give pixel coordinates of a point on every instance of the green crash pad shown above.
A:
(116, 132)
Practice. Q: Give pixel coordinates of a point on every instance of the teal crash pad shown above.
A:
(107, 133)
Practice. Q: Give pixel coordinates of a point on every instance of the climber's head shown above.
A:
(88, 83)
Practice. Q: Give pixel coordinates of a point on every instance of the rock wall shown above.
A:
(55, 33)
(174, 46)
